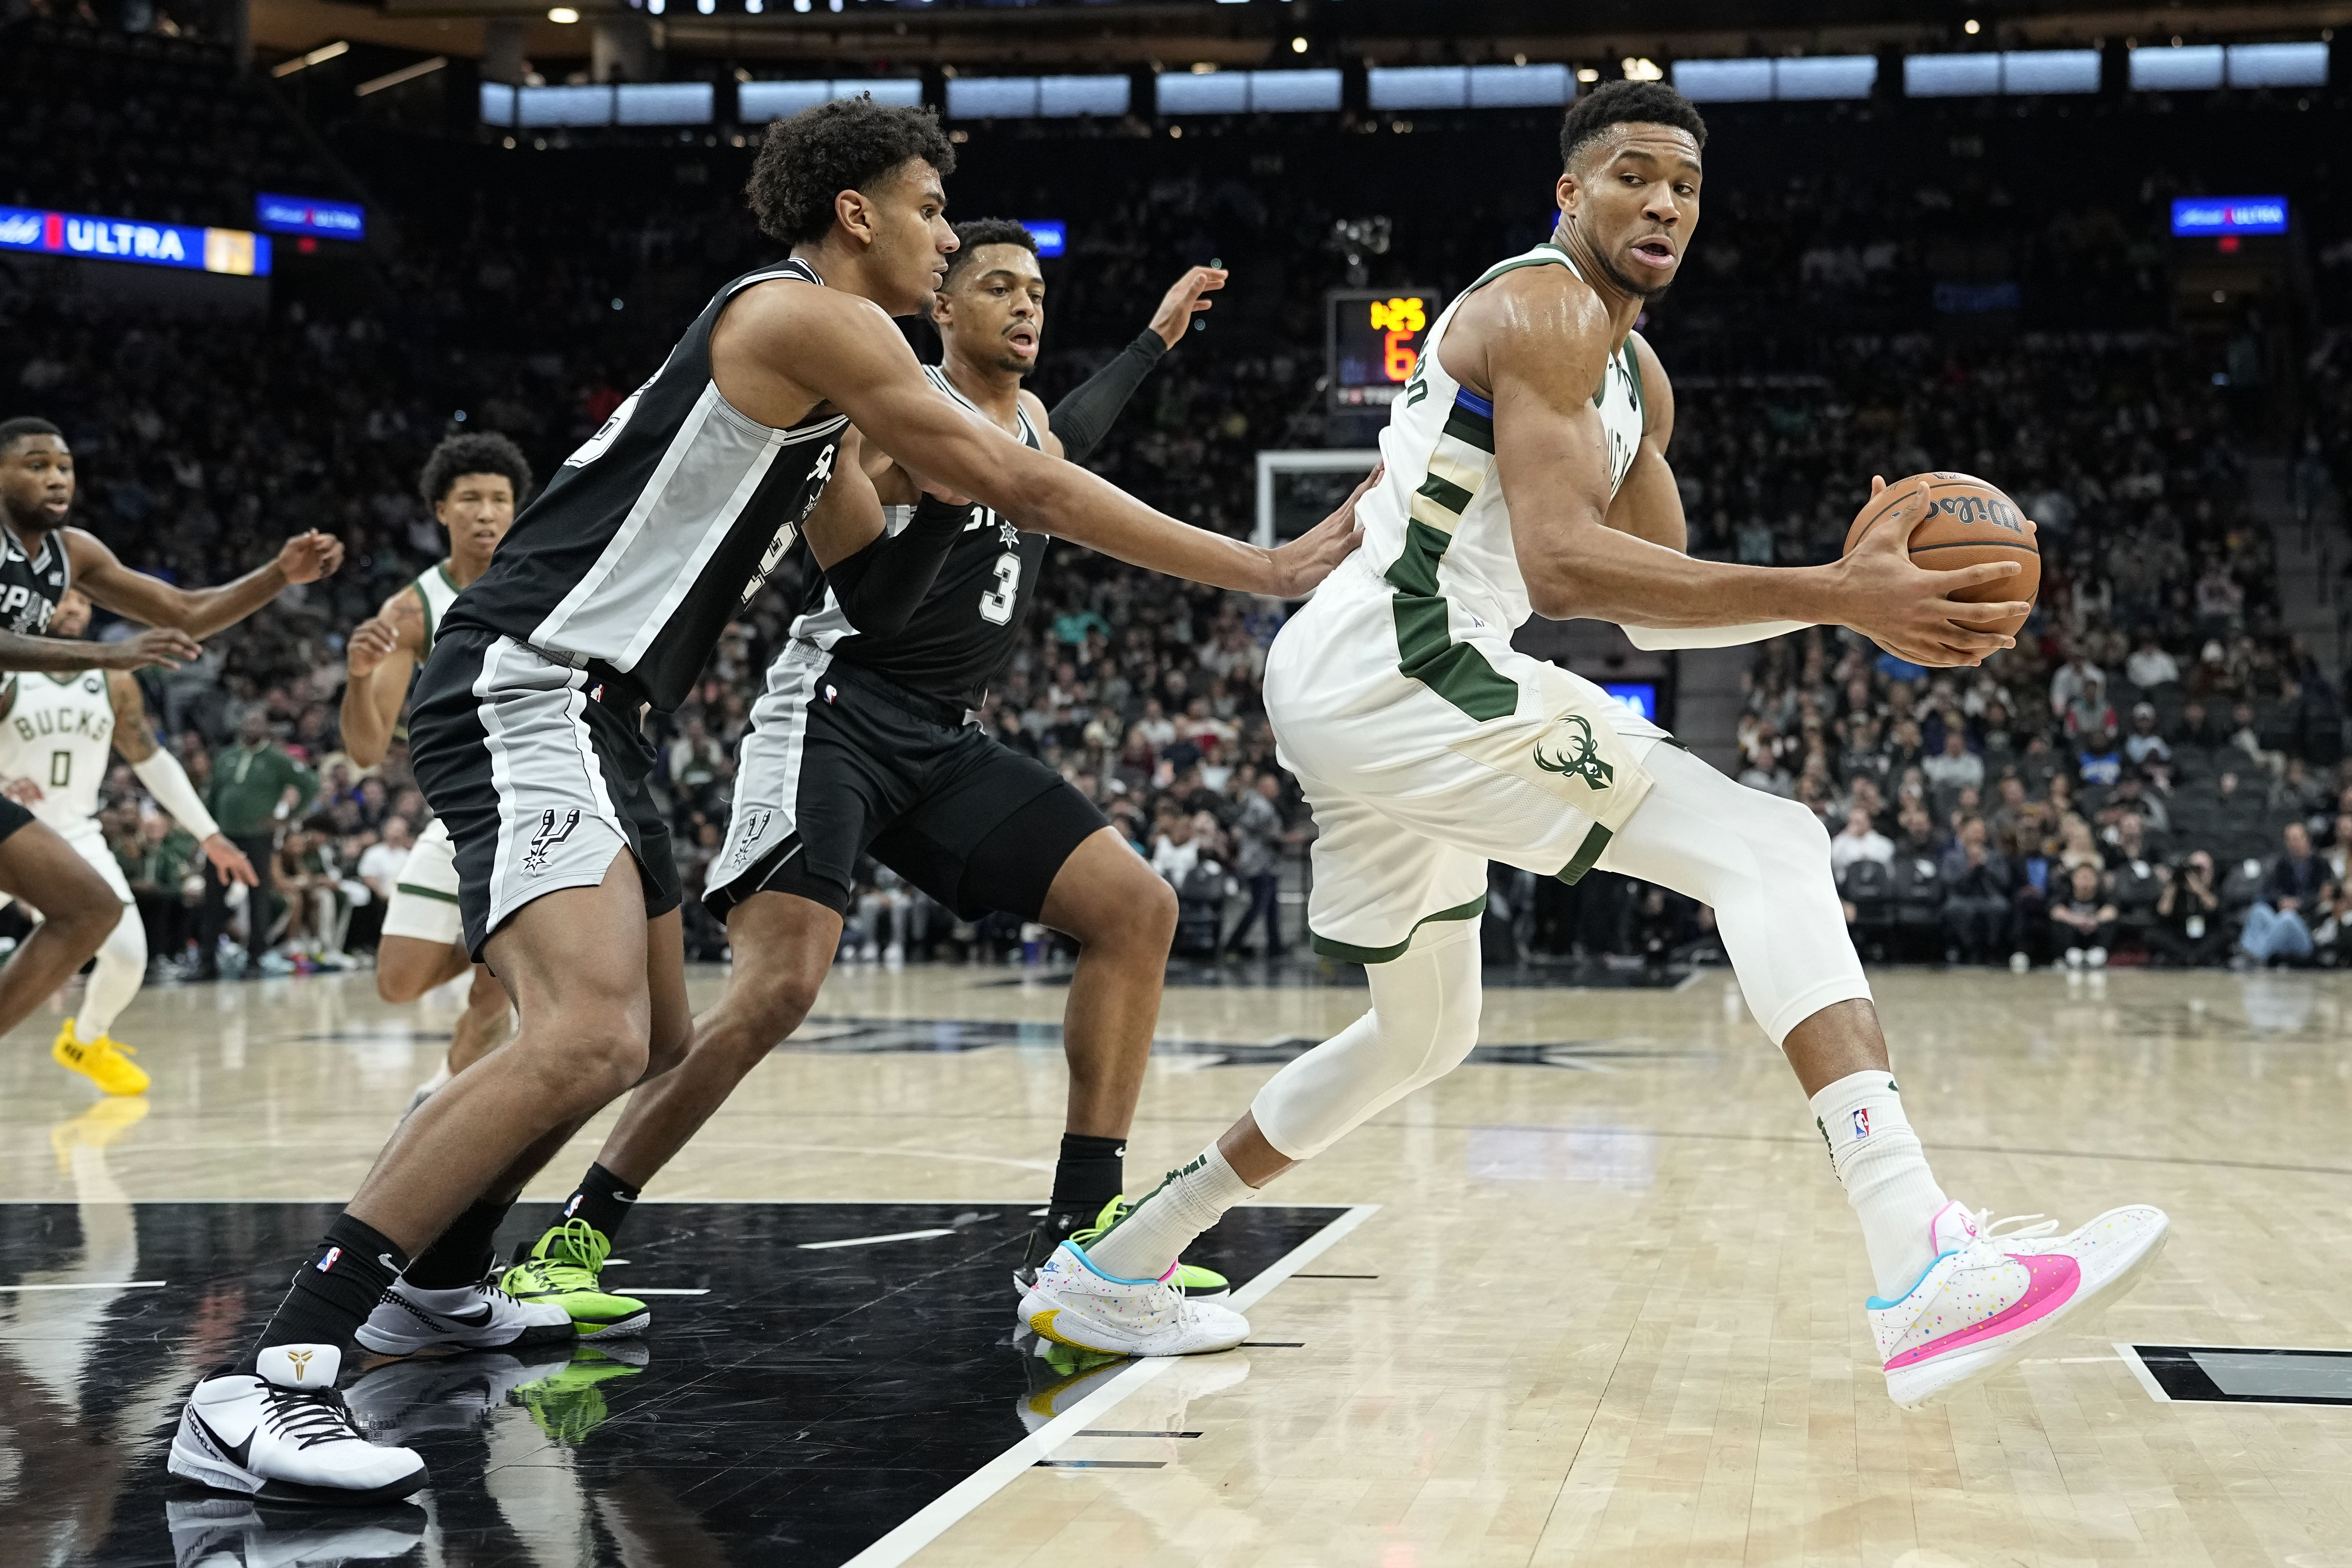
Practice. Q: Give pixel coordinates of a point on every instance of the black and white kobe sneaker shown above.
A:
(286, 1435)
(478, 1317)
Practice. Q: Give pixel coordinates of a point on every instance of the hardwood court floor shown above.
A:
(1608, 1310)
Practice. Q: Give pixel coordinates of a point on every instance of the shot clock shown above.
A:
(1374, 342)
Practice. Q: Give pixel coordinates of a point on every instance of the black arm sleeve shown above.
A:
(1084, 418)
(880, 586)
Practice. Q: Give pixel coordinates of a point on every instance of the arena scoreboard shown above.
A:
(1375, 337)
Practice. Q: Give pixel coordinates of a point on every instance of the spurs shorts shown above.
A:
(1417, 784)
(841, 762)
(423, 905)
(89, 841)
(12, 817)
(539, 771)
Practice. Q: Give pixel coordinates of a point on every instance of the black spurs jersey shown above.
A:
(656, 532)
(31, 585)
(963, 631)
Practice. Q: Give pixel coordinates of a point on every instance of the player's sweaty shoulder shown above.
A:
(771, 331)
(1531, 324)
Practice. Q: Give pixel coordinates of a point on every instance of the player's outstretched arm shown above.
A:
(1540, 343)
(878, 578)
(199, 612)
(166, 647)
(377, 662)
(849, 353)
(168, 781)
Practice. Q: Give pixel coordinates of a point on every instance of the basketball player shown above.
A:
(56, 731)
(889, 763)
(473, 483)
(1526, 470)
(607, 598)
(40, 558)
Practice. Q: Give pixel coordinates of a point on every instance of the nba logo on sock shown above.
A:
(573, 1206)
(1861, 1122)
(328, 1262)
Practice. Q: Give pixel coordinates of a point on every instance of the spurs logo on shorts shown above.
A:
(1581, 758)
(755, 828)
(551, 833)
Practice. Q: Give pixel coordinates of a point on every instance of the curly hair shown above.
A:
(974, 232)
(844, 145)
(1620, 103)
(487, 452)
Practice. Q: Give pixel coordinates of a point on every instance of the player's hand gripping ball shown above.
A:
(1970, 524)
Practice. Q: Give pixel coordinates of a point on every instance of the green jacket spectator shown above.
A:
(250, 779)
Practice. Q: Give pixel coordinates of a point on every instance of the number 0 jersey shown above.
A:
(1436, 527)
(963, 631)
(656, 532)
(56, 730)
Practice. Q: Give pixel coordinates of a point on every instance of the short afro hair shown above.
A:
(1623, 102)
(844, 145)
(485, 453)
(971, 235)
(15, 430)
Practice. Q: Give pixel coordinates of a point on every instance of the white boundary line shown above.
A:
(2130, 1353)
(95, 1285)
(942, 1512)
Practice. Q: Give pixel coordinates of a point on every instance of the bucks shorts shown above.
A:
(841, 762)
(538, 773)
(1417, 783)
(423, 905)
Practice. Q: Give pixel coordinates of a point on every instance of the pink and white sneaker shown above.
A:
(1991, 1292)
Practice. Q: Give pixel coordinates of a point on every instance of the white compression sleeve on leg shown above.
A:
(1763, 863)
(1424, 1021)
(122, 968)
(167, 781)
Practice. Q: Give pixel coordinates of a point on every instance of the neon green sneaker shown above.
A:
(569, 1405)
(1200, 1284)
(562, 1269)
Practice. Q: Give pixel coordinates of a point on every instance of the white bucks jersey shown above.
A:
(439, 591)
(1437, 527)
(56, 730)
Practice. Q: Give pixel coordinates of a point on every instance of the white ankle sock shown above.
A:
(1156, 1232)
(1878, 1158)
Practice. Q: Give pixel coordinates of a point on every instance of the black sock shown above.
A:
(334, 1294)
(462, 1254)
(1089, 1173)
(602, 1199)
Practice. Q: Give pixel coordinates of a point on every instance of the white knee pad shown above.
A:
(1424, 1021)
(1763, 864)
(122, 968)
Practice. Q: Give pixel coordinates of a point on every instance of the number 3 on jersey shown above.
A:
(996, 605)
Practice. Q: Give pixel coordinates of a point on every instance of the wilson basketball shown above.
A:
(1972, 522)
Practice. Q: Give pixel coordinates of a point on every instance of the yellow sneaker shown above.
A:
(101, 1061)
(96, 1128)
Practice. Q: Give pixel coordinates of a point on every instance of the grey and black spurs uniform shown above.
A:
(865, 744)
(608, 593)
(30, 587)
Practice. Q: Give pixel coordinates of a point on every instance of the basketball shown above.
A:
(1972, 522)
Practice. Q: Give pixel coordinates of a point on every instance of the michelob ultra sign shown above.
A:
(233, 251)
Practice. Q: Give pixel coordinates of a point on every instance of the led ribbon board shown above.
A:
(308, 214)
(2196, 216)
(1053, 235)
(40, 232)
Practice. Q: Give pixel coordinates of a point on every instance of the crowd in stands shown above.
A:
(2126, 784)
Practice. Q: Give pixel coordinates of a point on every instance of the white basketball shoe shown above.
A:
(478, 1317)
(1072, 1302)
(1991, 1293)
(286, 1435)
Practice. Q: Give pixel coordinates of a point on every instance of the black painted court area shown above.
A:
(809, 1403)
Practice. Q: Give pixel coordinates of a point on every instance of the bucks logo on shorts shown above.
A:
(1574, 750)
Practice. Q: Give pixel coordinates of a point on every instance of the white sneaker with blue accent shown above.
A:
(1991, 1292)
(1072, 1302)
